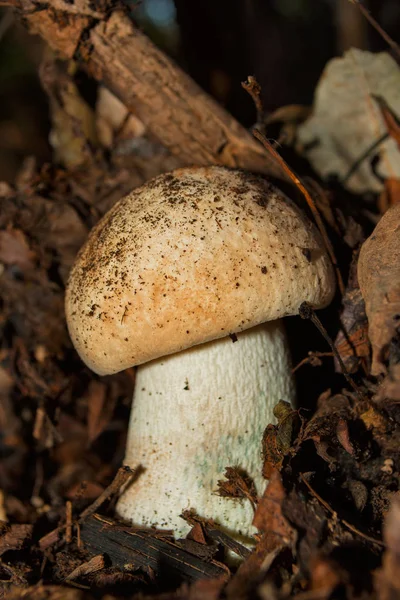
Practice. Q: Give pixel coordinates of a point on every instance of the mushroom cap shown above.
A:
(189, 257)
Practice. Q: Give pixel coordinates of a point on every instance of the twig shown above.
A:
(363, 156)
(306, 311)
(68, 521)
(285, 167)
(122, 477)
(309, 359)
(395, 47)
(333, 512)
(253, 88)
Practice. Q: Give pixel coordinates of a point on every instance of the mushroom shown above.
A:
(169, 279)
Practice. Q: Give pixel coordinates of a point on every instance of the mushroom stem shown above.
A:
(194, 414)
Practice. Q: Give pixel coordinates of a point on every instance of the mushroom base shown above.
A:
(194, 414)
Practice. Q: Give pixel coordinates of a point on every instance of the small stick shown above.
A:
(309, 201)
(68, 521)
(334, 513)
(123, 475)
(390, 42)
(306, 311)
(309, 359)
(363, 156)
(253, 88)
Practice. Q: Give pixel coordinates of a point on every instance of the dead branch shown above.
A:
(111, 49)
(132, 549)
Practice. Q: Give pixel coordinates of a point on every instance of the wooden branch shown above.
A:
(187, 121)
(136, 549)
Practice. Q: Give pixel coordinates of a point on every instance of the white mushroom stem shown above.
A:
(194, 414)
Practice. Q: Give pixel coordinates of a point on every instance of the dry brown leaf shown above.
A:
(324, 574)
(277, 534)
(269, 518)
(390, 387)
(379, 278)
(277, 439)
(14, 249)
(237, 485)
(204, 589)
(387, 580)
(47, 592)
(13, 537)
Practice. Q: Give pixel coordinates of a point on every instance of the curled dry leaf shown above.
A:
(277, 439)
(379, 278)
(347, 121)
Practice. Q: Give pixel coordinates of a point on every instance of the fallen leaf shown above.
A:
(14, 249)
(204, 589)
(322, 428)
(387, 580)
(237, 485)
(324, 574)
(277, 534)
(277, 439)
(269, 518)
(390, 387)
(13, 537)
(347, 121)
(379, 278)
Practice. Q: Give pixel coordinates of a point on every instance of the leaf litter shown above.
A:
(328, 521)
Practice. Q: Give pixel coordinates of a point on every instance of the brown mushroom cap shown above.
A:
(191, 256)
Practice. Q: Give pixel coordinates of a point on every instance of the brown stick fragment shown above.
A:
(122, 477)
(253, 88)
(132, 549)
(68, 521)
(185, 119)
(311, 358)
(374, 23)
